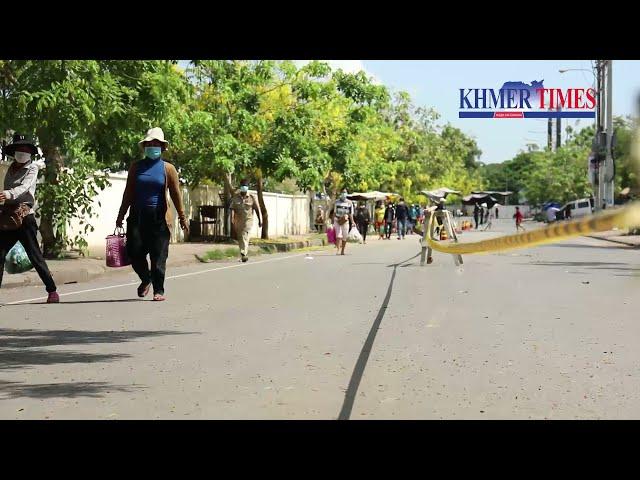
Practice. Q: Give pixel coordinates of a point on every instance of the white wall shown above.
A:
(288, 214)
(508, 211)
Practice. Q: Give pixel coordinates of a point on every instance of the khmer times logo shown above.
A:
(521, 100)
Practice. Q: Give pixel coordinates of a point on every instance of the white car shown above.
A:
(579, 208)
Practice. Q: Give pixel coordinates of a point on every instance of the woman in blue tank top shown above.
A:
(147, 225)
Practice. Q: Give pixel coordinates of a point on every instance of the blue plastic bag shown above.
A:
(17, 260)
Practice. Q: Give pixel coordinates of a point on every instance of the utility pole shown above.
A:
(558, 130)
(609, 171)
(604, 187)
(550, 133)
(597, 188)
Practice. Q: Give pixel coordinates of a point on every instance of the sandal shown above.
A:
(158, 297)
(53, 297)
(143, 290)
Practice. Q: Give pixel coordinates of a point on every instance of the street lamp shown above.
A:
(564, 70)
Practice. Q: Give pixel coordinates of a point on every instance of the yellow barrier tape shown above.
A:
(628, 216)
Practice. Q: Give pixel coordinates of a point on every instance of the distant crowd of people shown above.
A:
(389, 218)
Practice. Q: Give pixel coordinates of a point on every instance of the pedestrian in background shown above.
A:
(420, 219)
(402, 215)
(519, 218)
(320, 220)
(552, 214)
(476, 214)
(17, 220)
(379, 219)
(567, 214)
(413, 218)
(344, 211)
(363, 219)
(145, 197)
(243, 205)
(389, 217)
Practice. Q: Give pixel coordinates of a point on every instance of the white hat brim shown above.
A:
(151, 138)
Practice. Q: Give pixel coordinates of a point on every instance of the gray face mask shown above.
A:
(22, 157)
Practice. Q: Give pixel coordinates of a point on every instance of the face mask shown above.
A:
(22, 157)
(244, 189)
(153, 152)
(343, 196)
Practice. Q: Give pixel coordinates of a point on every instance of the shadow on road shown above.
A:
(361, 363)
(28, 338)
(11, 359)
(70, 390)
(22, 348)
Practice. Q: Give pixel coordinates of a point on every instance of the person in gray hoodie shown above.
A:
(18, 195)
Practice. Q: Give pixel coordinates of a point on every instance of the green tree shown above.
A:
(87, 117)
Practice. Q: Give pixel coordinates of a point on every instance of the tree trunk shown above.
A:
(263, 209)
(229, 230)
(51, 243)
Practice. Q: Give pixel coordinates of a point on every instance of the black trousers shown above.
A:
(362, 228)
(387, 228)
(28, 237)
(148, 234)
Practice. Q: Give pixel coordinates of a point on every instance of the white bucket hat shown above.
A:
(155, 133)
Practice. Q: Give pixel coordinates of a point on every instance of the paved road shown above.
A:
(549, 332)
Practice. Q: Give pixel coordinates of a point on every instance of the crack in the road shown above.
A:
(361, 364)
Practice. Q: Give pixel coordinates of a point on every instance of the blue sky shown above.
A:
(436, 84)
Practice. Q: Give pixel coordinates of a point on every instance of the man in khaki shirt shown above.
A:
(243, 204)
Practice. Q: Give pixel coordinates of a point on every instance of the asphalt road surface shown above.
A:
(548, 332)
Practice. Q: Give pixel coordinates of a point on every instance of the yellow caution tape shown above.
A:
(628, 216)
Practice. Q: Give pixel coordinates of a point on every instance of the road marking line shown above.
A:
(168, 278)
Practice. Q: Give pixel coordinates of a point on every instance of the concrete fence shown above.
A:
(288, 214)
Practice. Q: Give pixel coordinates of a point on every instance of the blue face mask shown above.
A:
(244, 189)
(153, 152)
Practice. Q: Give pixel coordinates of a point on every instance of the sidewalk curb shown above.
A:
(92, 272)
(62, 277)
(270, 248)
(287, 247)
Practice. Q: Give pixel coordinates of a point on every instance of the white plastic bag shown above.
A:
(354, 235)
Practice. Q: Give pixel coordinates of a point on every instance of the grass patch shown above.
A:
(267, 249)
(261, 247)
(259, 241)
(219, 254)
(233, 252)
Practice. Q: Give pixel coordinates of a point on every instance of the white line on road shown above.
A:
(168, 278)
